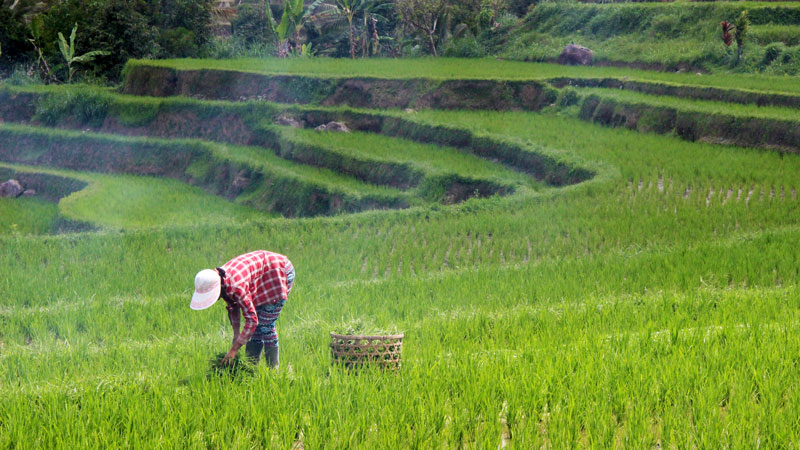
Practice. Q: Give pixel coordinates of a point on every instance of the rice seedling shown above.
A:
(652, 304)
(236, 368)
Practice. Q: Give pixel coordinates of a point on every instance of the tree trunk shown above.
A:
(375, 38)
(352, 39)
(433, 44)
(283, 48)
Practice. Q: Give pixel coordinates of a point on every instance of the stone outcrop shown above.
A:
(11, 188)
(337, 127)
(576, 55)
(289, 121)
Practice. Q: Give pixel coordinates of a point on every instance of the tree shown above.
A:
(348, 11)
(293, 19)
(15, 16)
(68, 52)
(423, 16)
(742, 25)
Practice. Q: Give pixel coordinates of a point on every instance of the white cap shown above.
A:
(206, 289)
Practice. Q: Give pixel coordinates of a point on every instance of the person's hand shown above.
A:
(228, 359)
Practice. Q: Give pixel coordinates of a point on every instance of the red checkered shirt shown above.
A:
(251, 280)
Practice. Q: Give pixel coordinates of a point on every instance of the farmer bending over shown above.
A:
(256, 284)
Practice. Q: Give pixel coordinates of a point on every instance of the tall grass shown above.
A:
(653, 306)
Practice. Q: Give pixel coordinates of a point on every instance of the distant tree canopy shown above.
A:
(123, 28)
(185, 28)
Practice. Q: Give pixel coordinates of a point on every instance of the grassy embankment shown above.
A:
(663, 36)
(425, 172)
(734, 109)
(131, 202)
(729, 123)
(467, 69)
(653, 305)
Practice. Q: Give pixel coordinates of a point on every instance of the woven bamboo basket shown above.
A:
(357, 350)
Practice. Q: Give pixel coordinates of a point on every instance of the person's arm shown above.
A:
(234, 314)
(251, 321)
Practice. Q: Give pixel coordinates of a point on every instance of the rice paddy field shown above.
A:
(561, 283)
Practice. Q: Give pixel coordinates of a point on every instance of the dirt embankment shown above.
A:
(48, 187)
(375, 93)
(242, 124)
(694, 126)
(191, 162)
(51, 188)
(684, 91)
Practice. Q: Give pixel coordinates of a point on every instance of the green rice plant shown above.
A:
(85, 106)
(768, 34)
(26, 216)
(653, 304)
(238, 367)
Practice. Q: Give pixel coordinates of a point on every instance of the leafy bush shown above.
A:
(13, 39)
(128, 29)
(466, 47)
(179, 42)
(667, 25)
(23, 75)
(235, 48)
(772, 52)
(766, 34)
(86, 106)
(567, 97)
(520, 7)
(251, 25)
(193, 16)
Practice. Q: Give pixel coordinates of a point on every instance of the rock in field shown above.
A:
(337, 127)
(240, 181)
(288, 121)
(576, 55)
(29, 192)
(11, 188)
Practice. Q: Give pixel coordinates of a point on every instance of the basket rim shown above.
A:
(370, 337)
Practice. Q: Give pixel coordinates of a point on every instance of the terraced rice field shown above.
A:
(560, 282)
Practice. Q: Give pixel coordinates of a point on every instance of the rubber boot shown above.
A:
(271, 355)
(253, 350)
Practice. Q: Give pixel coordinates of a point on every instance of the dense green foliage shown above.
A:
(664, 36)
(655, 35)
(123, 28)
(652, 305)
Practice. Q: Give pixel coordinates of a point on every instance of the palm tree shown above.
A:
(349, 10)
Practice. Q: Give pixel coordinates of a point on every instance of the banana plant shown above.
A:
(68, 52)
(293, 19)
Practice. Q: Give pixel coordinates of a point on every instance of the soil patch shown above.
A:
(768, 134)
(376, 93)
(683, 91)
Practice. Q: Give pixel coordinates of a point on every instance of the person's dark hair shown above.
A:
(222, 294)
